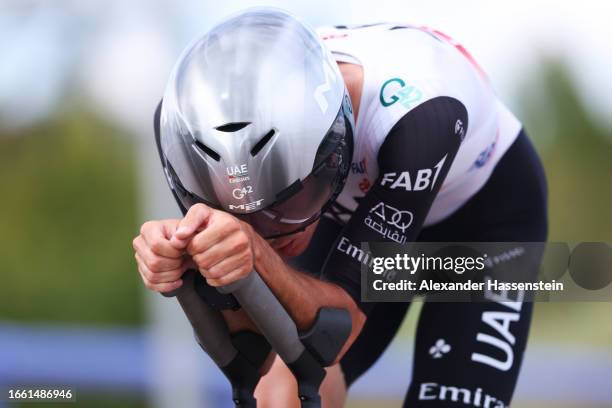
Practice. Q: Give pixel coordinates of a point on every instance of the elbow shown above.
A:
(358, 319)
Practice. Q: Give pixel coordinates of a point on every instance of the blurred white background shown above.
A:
(119, 53)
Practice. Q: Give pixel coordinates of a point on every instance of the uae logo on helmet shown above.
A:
(237, 174)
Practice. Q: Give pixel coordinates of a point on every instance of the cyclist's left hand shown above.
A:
(219, 244)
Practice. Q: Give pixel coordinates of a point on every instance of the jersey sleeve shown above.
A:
(413, 161)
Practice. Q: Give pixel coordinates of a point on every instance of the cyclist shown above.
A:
(265, 126)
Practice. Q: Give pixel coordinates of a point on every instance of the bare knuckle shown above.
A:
(244, 237)
(227, 221)
(206, 274)
(157, 246)
(198, 207)
(199, 260)
(240, 245)
(155, 264)
(225, 281)
(175, 276)
(244, 271)
(145, 227)
(247, 256)
(212, 282)
(235, 224)
(208, 267)
(147, 276)
(192, 248)
(215, 273)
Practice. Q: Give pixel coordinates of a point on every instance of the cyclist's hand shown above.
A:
(160, 264)
(218, 243)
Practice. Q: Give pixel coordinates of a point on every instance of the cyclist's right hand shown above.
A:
(159, 263)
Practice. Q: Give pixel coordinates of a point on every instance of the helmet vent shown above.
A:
(232, 127)
(207, 150)
(262, 142)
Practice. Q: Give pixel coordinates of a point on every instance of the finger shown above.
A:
(194, 219)
(153, 261)
(156, 237)
(217, 242)
(228, 265)
(159, 277)
(229, 278)
(218, 253)
(215, 233)
(159, 287)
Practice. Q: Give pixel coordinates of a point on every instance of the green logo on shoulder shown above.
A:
(395, 90)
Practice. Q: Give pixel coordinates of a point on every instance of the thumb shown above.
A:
(193, 221)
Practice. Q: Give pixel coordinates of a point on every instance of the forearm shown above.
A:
(300, 294)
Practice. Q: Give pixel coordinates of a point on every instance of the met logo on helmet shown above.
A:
(246, 207)
(425, 178)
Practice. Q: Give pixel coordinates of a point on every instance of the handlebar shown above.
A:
(268, 314)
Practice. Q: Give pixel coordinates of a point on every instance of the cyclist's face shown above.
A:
(294, 244)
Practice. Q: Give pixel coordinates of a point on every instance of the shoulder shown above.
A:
(412, 68)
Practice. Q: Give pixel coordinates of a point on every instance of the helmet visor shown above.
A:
(303, 202)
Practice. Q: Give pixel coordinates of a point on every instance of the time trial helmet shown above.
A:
(256, 121)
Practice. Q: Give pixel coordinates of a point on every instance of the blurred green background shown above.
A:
(71, 206)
